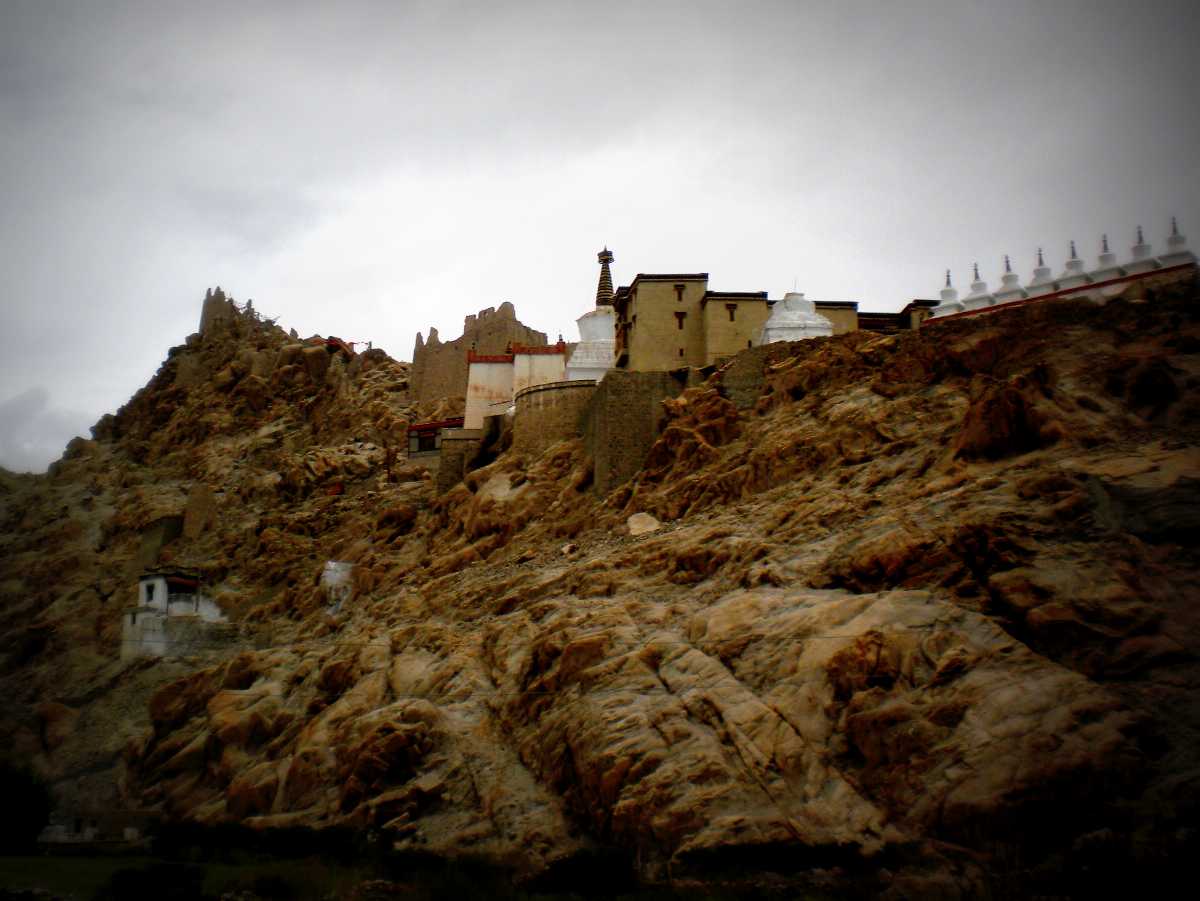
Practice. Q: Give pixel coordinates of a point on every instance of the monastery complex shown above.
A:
(646, 341)
(640, 344)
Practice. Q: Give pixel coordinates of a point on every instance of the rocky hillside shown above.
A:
(921, 619)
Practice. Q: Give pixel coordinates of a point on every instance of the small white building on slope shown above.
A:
(171, 617)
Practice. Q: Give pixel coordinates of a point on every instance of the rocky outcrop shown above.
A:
(918, 619)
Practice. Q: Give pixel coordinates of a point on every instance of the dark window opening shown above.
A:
(749, 343)
(679, 317)
(150, 593)
(732, 308)
(679, 293)
(681, 351)
(427, 442)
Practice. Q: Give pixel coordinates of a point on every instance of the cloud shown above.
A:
(32, 433)
(372, 168)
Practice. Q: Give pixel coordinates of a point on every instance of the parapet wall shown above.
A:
(622, 421)
(440, 369)
(549, 413)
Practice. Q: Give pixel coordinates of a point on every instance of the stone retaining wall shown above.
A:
(459, 447)
(549, 413)
(622, 421)
(743, 379)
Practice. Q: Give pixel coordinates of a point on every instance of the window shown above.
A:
(749, 343)
(679, 317)
(681, 351)
(679, 293)
(149, 592)
(732, 308)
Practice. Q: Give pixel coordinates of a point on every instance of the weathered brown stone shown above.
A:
(439, 369)
(200, 513)
(316, 363)
(867, 638)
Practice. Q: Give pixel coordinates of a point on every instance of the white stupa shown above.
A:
(794, 319)
(950, 302)
(1177, 252)
(1042, 281)
(1142, 256)
(594, 353)
(1010, 284)
(1106, 263)
(979, 296)
(1073, 275)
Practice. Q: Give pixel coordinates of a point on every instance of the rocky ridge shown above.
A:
(922, 618)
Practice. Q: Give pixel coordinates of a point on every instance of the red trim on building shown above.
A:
(473, 357)
(426, 427)
(339, 344)
(547, 350)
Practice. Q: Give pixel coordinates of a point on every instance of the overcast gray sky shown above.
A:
(370, 169)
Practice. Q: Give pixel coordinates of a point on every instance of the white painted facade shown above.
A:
(170, 617)
(492, 382)
(488, 384)
(537, 369)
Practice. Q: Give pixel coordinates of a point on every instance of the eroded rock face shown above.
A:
(926, 607)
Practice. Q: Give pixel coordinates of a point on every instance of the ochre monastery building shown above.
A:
(659, 323)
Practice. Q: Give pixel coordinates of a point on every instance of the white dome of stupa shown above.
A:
(794, 319)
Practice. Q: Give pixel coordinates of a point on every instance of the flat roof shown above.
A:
(740, 295)
(171, 572)
(669, 277)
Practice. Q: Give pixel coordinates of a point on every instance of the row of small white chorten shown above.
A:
(1073, 276)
